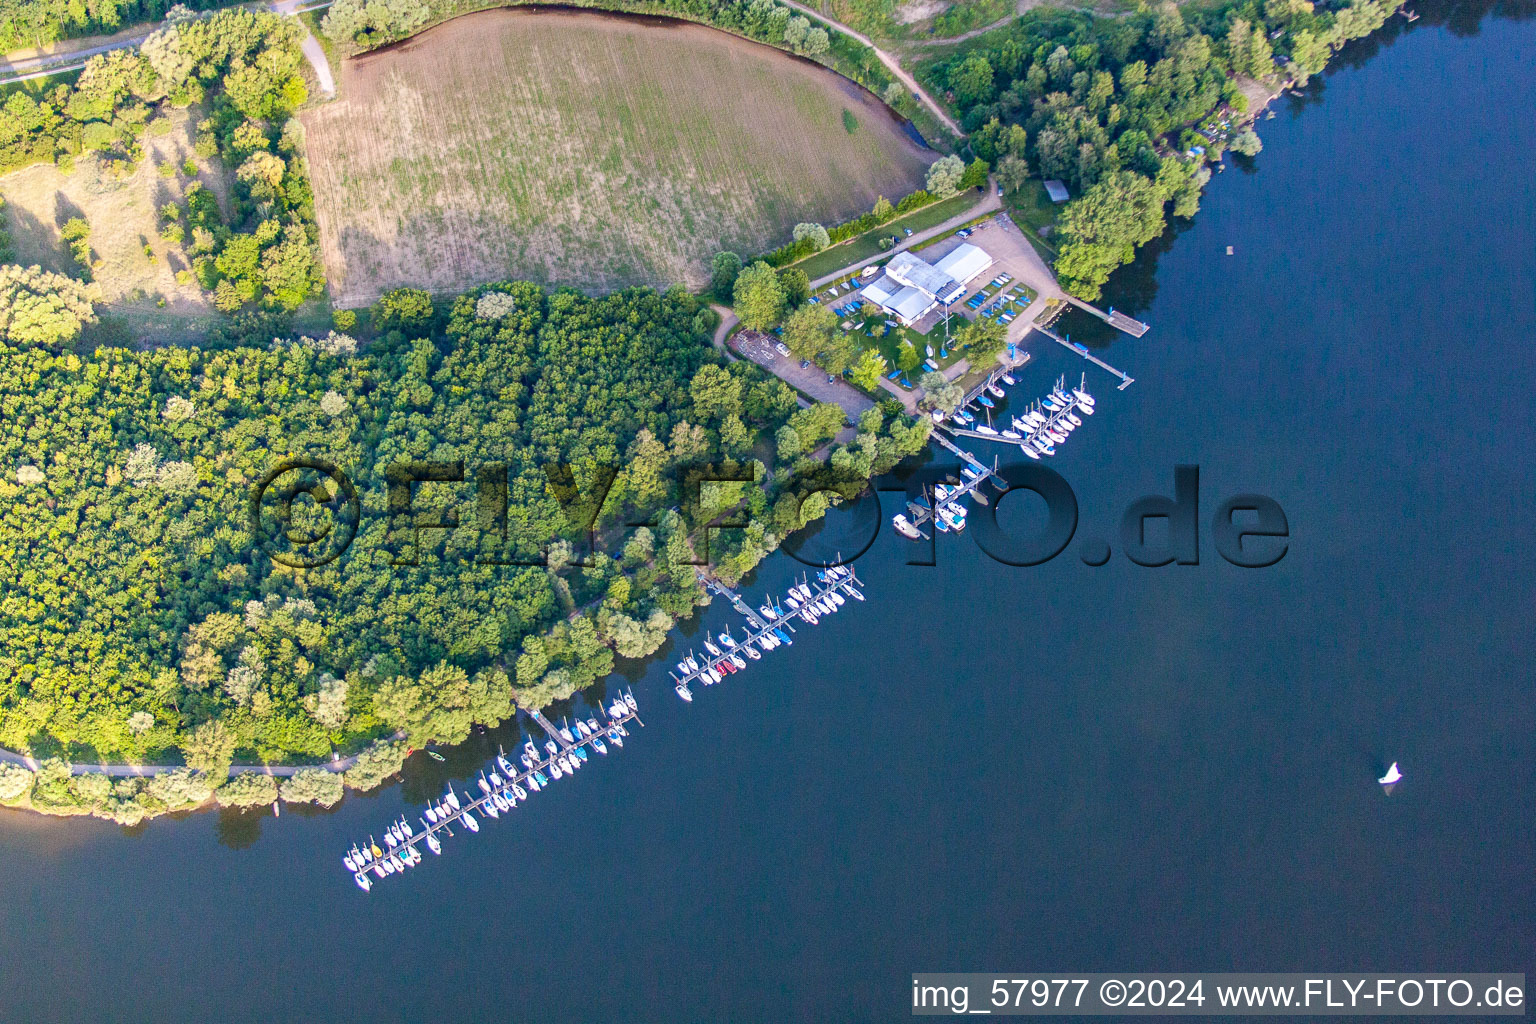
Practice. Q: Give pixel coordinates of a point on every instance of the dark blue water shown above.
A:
(983, 768)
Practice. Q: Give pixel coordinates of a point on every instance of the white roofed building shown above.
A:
(911, 287)
(965, 263)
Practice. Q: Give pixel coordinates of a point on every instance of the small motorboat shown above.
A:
(490, 809)
(362, 881)
(783, 637)
(904, 526)
(599, 745)
(629, 698)
(506, 766)
(540, 778)
(1009, 379)
(615, 738)
(765, 611)
(453, 799)
(693, 665)
(726, 641)
(984, 400)
(1392, 778)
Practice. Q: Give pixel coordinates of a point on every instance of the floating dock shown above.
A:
(1117, 320)
(568, 748)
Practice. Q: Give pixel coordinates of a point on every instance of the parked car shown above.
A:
(804, 363)
(964, 232)
(783, 348)
(908, 231)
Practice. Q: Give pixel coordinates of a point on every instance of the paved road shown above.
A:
(988, 203)
(891, 64)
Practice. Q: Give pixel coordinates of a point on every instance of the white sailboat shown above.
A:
(1391, 779)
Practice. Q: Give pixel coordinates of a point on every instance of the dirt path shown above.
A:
(1022, 7)
(728, 320)
(891, 64)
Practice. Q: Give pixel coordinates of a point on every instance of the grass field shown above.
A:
(574, 148)
(861, 247)
(122, 213)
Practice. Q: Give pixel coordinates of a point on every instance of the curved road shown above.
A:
(891, 65)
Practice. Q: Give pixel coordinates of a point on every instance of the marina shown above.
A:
(502, 784)
(768, 627)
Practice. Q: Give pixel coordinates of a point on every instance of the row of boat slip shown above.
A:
(834, 587)
(1050, 420)
(502, 786)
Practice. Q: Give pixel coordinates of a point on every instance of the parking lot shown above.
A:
(811, 380)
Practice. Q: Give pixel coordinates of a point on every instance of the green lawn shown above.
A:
(861, 247)
(1031, 209)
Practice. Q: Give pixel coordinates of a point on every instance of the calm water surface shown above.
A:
(984, 768)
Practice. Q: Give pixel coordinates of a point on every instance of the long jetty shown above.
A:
(1126, 380)
(403, 843)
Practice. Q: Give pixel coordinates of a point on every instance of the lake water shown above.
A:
(1060, 768)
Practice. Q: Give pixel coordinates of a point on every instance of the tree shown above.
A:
(1247, 143)
(403, 309)
(809, 329)
(210, 748)
(869, 369)
(939, 393)
(796, 285)
(944, 176)
(759, 298)
(787, 442)
(375, 764)
(908, 358)
(971, 80)
(38, 307)
(1102, 228)
(716, 392)
(312, 786)
(883, 210)
(815, 232)
(248, 789)
(893, 94)
(975, 175)
(982, 339)
(722, 279)
(1012, 173)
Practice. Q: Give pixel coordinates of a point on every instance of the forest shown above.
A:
(242, 71)
(1129, 111)
(500, 446)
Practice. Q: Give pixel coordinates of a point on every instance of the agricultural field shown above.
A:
(582, 149)
(122, 211)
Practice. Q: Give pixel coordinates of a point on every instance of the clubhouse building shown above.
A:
(911, 288)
